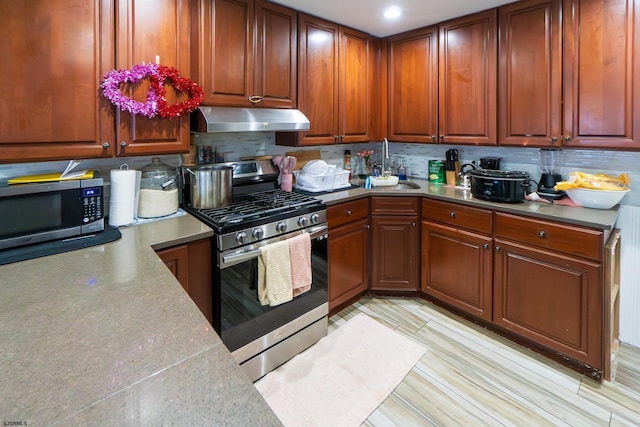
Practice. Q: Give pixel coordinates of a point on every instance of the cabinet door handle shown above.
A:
(367, 227)
(542, 234)
(347, 212)
(554, 139)
(106, 145)
(486, 246)
(123, 144)
(433, 138)
(498, 248)
(452, 214)
(413, 224)
(254, 99)
(567, 138)
(441, 138)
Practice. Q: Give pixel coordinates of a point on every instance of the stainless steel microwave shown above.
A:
(35, 213)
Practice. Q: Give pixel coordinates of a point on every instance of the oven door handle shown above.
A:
(228, 260)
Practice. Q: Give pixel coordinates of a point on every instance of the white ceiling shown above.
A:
(366, 15)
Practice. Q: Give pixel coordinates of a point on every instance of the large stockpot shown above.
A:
(499, 186)
(211, 186)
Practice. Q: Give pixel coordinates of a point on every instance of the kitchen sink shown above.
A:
(401, 185)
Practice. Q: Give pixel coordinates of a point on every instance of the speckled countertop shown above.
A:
(604, 219)
(107, 336)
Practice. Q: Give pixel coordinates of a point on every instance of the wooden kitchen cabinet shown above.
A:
(457, 261)
(348, 251)
(47, 120)
(244, 53)
(335, 84)
(600, 70)
(549, 286)
(530, 71)
(51, 109)
(566, 71)
(147, 30)
(192, 265)
(467, 80)
(395, 243)
(413, 86)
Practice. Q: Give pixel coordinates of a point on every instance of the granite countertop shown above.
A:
(603, 219)
(107, 336)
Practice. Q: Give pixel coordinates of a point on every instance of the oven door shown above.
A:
(241, 320)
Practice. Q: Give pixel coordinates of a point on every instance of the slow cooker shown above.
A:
(498, 185)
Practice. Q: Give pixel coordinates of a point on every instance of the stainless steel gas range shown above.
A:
(263, 337)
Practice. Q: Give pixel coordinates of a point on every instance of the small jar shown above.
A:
(158, 190)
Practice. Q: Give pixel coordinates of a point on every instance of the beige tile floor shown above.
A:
(472, 377)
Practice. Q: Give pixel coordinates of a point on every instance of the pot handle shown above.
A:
(190, 171)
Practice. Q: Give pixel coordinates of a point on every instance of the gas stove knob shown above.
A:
(257, 233)
(281, 227)
(315, 218)
(241, 237)
(303, 221)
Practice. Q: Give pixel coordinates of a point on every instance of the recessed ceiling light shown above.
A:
(392, 12)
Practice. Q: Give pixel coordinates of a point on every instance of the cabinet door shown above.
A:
(148, 30)
(550, 298)
(318, 64)
(177, 261)
(601, 63)
(348, 251)
(413, 86)
(276, 67)
(395, 253)
(530, 70)
(55, 55)
(222, 50)
(355, 86)
(468, 74)
(457, 268)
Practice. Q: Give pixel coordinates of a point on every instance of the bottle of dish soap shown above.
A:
(402, 171)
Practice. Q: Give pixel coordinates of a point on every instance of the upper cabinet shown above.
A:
(244, 52)
(413, 86)
(569, 83)
(600, 70)
(49, 107)
(468, 77)
(335, 81)
(530, 70)
(52, 106)
(148, 31)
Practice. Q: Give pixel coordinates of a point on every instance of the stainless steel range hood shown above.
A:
(231, 119)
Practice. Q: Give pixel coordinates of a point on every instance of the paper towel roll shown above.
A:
(122, 197)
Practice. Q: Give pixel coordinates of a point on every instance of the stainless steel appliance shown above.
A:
(499, 186)
(35, 213)
(263, 337)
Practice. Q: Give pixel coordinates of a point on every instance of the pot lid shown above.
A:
(498, 174)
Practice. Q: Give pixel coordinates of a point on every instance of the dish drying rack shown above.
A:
(334, 179)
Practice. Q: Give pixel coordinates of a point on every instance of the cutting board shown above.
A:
(303, 157)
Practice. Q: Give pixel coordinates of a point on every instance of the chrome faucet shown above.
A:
(385, 155)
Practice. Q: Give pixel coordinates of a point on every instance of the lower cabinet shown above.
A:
(395, 243)
(457, 256)
(191, 264)
(348, 251)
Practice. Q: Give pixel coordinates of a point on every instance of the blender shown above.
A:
(550, 161)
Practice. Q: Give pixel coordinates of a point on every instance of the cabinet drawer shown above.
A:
(395, 205)
(456, 215)
(347, 212)
(560, 237)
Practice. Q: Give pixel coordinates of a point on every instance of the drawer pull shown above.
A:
(486, 246)
(347, 212)
(452, 214)
(542, 234)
